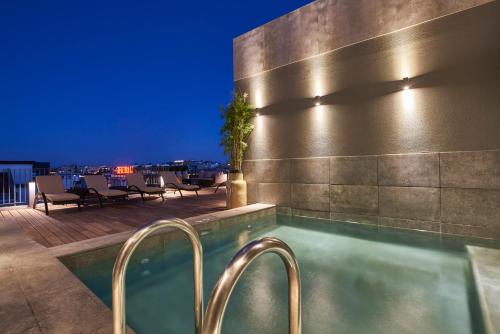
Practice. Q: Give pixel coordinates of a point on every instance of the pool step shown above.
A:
(486, 268)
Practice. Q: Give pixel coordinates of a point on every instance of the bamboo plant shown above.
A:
(237, 116)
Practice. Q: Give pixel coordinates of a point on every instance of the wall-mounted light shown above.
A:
(317, 100)
(406, 83)
(257, 112)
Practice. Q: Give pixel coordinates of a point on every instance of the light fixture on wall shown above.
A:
(406, 83)
(317, 100)
(257, 112)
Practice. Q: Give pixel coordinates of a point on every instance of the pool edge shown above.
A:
(485, 264)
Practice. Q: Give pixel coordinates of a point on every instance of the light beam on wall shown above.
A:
(319, 83)
(257, 91)
(408, 100)
(404, 64)
(259, 140)
(410, 120)
(258, 98)
(406, 57)
(318, 130)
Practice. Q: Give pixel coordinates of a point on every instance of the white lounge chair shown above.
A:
(98, 185)
(220, 180)
(51, 189)
(171, 181)
(136, 183)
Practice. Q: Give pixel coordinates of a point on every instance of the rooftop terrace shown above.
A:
(66, 224)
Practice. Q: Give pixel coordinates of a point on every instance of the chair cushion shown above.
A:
(98, 182)
(136, 179)
(113, 193)
(62, 197)
(188, 187)
(152, 190)
(50, 184)
(170, 177)
(220, 178)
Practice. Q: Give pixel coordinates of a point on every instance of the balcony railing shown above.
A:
(14, 184)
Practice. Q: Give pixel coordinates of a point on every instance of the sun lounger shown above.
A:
(171, 181)
(98, 185)
(51, 189)
(136, 183)
(220, 181)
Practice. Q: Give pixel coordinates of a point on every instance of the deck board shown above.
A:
(66, 224)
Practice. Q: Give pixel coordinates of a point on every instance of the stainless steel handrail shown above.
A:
(121, 263)
(224, 287)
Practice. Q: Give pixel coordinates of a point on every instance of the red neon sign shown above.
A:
(121, 170)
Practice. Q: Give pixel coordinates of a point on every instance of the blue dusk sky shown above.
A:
(100, 82)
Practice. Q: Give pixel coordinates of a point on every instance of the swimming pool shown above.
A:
(355, 279)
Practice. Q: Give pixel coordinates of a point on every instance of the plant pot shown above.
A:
(236, 190)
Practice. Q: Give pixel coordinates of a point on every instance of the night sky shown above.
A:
(103, 82)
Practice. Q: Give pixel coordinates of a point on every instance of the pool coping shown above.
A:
(40, 294)
(485, 264)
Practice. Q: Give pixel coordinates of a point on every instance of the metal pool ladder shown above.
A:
(240, 262)
(121, 263)
(224, 287)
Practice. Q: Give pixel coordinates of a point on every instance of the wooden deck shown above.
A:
(66, 224)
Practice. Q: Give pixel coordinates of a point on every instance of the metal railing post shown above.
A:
(224, 287)
(121, 263)
(3, 187)
(8, 180)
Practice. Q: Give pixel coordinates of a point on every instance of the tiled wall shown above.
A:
(452, 192)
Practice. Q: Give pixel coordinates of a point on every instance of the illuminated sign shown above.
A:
(121, 170)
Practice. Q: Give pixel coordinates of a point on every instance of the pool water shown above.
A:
(354, 280)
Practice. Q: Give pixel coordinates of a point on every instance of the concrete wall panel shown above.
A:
(471, 169)
(354, 199)
(417, 170)
(476, 207)
(315, 197)
(410, 203)
(275, 193)
(314, 170)
(361, 170)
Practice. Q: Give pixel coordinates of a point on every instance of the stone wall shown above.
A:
(362, 155)
(449, 192)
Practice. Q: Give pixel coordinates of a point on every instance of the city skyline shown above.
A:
(140, 164)
(117, 83)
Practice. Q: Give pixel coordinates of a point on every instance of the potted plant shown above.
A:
(237, 128)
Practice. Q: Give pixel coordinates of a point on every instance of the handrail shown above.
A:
(121, 263)
(224, 287)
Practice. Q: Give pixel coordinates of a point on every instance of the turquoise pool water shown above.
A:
(354, 280)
